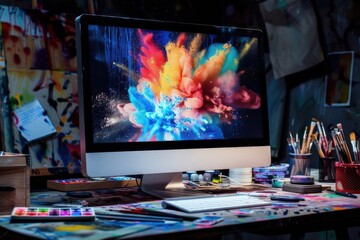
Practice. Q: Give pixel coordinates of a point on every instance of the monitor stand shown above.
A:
(167, 185)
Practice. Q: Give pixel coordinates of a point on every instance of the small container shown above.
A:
(208, 175)
(185, 177)
(327, 169)
(240, 175)
(267, 174)
(347, 177)
(189, 173)
(201, 178)
(299, 164)
(194, 177)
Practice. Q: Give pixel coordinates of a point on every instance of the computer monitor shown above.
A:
(159, 98)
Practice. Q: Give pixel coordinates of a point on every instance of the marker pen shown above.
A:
(344, 194)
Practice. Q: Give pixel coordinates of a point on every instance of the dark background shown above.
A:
(293, 99)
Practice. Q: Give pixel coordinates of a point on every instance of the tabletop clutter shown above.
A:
(339, 163)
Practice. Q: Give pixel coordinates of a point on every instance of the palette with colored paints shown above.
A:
(35, 214)
(83, 184)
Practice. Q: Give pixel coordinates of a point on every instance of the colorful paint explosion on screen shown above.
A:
(185, 92)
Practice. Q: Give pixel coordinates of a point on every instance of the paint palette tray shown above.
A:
(82, 184)
(43, 214)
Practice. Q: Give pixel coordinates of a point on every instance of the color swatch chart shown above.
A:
(31, 214)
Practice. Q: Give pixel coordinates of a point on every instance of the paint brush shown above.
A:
(311, 130)
(342, 148)
(291, 147)
(315, 141)
(332, 130)
(358, 148)
(292, 141)
(341, 135)
(304, 140)
(297, 143)
(322, 126)
(319, 130)
(329, 148)
(354, 147)
(323, 141)
(343, 143)
(357, 143)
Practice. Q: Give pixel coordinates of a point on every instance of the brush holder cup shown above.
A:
(327, 169)
(299, 164)
(347, 177)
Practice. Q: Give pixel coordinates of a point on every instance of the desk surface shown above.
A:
(319, 212)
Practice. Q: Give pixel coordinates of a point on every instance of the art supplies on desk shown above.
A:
(347, 168)
(295, 145)
(314, 135)
(279, 182)
(276, 215)
(149, 210)
(225, 187)
(267, 174)
(327, 169)
(100, 197)
(286, 198)
(98, 229)
(44, 214)
(81, 184)
(134, 216)
(347, 177)
(331, 149)
(345, 194)
(208, 220)
(300, 188)
(343, 152)
(301, 179)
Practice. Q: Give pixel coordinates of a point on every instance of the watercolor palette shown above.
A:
(82, 184)
(34, 214)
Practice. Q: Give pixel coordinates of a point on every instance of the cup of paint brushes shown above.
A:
(327, 169)
(299, 164)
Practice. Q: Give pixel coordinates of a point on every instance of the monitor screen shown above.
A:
(162, 97)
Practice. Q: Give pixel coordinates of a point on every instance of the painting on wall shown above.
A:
(339, 79)
(40, 53)
(56, 91)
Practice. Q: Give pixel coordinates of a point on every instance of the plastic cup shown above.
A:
(299, 164)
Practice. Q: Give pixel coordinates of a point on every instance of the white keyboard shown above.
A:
(213, 203)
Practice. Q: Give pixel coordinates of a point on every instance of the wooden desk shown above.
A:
(319, 212)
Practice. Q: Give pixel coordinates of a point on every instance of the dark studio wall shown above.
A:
(296, 81)
(309, 91)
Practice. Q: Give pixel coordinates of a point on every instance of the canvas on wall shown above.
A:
(39, 49)
(57, 93)
(339, 79)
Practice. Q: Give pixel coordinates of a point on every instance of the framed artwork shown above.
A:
(339, 79)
